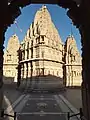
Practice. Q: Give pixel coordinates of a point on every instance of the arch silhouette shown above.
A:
(77, 10)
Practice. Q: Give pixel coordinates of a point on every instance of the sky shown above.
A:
(59, 18)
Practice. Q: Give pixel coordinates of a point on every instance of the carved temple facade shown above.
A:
(43, 55)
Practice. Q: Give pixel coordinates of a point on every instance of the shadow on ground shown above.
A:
(46, 82)
(10, 93)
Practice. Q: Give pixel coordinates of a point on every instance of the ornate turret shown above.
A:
(73, 63)
(11, 59)
(13, 44)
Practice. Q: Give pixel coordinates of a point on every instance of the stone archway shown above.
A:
(78, 11)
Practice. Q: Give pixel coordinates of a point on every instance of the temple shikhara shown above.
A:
(11, 59)
(42, 57)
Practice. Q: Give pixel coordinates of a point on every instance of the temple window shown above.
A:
(42, 38)
(28, 45)
(74, 73)
(27, 54)
(8, 57)
(36, 40)
(23, 55)
(31, 43)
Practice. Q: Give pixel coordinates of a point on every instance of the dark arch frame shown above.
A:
(78, 12)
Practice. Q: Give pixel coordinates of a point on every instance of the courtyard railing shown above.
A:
(68, 115)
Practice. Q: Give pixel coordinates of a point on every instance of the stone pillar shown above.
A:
(1, 66)
(29, 53)
(22, 71)
(64, 75)
(85, 36)
(19, 75)
(29, 70)
(25, 71)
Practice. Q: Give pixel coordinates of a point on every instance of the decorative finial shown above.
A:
(44, 7)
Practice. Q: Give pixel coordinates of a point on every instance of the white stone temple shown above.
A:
(44, 57)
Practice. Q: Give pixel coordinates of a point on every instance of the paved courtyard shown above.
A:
(73, 95)
(41, 105)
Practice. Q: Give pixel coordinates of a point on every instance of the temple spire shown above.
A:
(71, 32)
